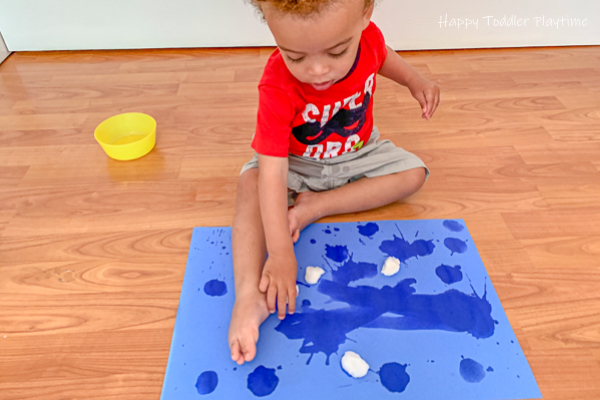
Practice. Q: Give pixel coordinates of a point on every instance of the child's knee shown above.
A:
(415, 178)
(248, 181)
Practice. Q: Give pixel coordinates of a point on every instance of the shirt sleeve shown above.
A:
(378, 44)
(274, 122)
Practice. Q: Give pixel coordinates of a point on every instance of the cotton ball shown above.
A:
(355, 366)
(391, 266)
(313, 274)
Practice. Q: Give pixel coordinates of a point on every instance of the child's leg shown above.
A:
(249, 254)
(363, 194)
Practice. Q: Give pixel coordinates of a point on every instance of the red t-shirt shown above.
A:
(295, 118)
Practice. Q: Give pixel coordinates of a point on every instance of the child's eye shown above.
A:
(296, 60)
(338, 55)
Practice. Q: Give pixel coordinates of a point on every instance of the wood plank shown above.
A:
(568, 252)
(552, 223)
(144, 247)
(566, 196)
(101, 275)
(553, 152)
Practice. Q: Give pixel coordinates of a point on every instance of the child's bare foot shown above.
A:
(302, 214)
(248, 314)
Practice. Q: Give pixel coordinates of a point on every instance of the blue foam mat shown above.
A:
(434, 330)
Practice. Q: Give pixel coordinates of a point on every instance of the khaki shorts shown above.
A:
(376, 158)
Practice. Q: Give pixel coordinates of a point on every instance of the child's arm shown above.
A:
(278, 279)
(426, 92)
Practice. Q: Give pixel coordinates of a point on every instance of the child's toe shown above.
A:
(235, 350)
(249, 349)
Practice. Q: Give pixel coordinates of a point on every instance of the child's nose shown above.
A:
(319, 70)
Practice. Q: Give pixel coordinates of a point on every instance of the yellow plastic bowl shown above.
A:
(127, 136)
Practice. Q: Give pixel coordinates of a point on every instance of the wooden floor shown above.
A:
(93, 251)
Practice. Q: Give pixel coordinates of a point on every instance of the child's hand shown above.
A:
(279, 282)
(427, 94)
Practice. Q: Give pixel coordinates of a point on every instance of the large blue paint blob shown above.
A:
(471, 371)
(403, 250)
(215, 288)
(207, 382)
(326, 330)
(448, 274)
(453, 226)
(369, 229)
(336, 253)
(352, 271)
(455, 245)
(262, 381)
(394, 377)
(452, 311)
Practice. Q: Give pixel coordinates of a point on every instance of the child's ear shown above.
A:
(368, 13)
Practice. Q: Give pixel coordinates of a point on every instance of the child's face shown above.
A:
(320, 49)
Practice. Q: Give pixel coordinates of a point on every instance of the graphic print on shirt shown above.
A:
(346, 120)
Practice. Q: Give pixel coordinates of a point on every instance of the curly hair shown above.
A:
(300, 8)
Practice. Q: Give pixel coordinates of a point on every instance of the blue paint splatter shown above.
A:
(453, 226)
(215, 288)
(448, 274)
(306, 303)
(455, 245)
(369, 229)
(471, 371)
(394, 377)
(313, 241)
(262, 381)
(490, 369)
(336, 253)
(452, 311)
(336, 229)
(403, 250)
(207, 382)
(325, 330)
(352, 271)
(327, 231)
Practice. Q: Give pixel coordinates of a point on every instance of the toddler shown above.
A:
(316, 148)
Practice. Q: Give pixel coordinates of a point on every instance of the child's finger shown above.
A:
(296, 236)
(437, 102)
(429, 102)
(421, 99)
(271, 298)
(281, 303)
(292, 300)
(264, 283)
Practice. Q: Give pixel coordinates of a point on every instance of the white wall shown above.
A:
(121, 24)
(416, 25)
